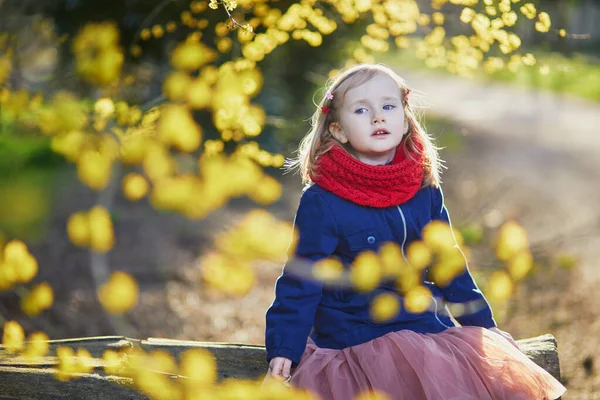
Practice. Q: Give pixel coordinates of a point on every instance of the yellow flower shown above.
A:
(178, 128)
(62, 115)
(528, 10)
(39, 299)
(37, 345)
(101, 229)
(104, 107)
(135, 186)
(392, 261)
(158, 162)
(191, 56)
(418, 255)
(267, 191)
(384, 307)
(543, 25)
(417, 299)
(8, 275)
(500, 286)
(199, 94)
(94, 169)
(15, 251)
(98, 57)
(158, 31)
(176, 85)
(133, 149)
(14, 337)
(408, 279)
(119, 294)
(113, 362)
(78, 229)
(199, 366)
(67, 364)
(69, 144)
(512, 239)
(520, 265)
(85, 361)
(365, 272)
(328, 269)
(173, 193)
(230, 276)
(27, 269)
(438, 236)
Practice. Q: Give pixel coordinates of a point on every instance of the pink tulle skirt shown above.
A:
(460, 363)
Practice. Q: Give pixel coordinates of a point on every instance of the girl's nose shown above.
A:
(378, 118)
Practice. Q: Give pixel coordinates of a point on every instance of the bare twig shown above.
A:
(150, 17)
(234, 23)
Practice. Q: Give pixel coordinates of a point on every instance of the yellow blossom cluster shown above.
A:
(95, 153)
(280, 26)
(92, 229)
(40, 298)
(17, 265)
(152, 373)
(512, 248)
(14, 341)
(13, 337)
(220, 178)
(66, 120)
(71, 363)
(98, 57)
(119, 294)
(258, 236)
(64, 113)
(18, 104)
(226, 91)
(36, 345)
(438, 255)
(543, 24)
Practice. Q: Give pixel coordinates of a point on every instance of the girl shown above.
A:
(374, 178)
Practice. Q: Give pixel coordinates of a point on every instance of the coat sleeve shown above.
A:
(463, 288)
(290, 317)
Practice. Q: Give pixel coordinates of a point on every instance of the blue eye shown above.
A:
(388, 107)
(360, 110)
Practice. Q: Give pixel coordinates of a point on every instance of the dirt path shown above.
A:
(546, 142)
(533, 157)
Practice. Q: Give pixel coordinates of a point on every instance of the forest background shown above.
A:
(141, 145)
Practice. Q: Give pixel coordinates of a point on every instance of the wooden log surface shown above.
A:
(21, 378)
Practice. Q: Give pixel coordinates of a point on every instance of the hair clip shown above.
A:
(406, 93)
(329, 96)
(325, 109)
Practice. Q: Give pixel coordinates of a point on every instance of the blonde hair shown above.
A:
(319, 139)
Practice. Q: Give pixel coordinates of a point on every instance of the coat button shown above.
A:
(371, 239)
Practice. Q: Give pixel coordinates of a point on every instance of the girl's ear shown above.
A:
(337, 132)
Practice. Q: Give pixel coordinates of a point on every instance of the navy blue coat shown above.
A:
(339, 317)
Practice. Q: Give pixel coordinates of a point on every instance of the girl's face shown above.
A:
(371, 120)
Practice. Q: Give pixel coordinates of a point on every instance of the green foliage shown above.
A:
(25, 200)
(578, 75)
(20, 150)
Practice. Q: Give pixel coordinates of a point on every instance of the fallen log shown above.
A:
(32, 379)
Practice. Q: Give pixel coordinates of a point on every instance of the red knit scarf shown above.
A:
(370, 185)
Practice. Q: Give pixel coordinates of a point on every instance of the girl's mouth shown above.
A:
(380, 132)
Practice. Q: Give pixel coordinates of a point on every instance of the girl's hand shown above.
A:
(279, 368)
(506, 335)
